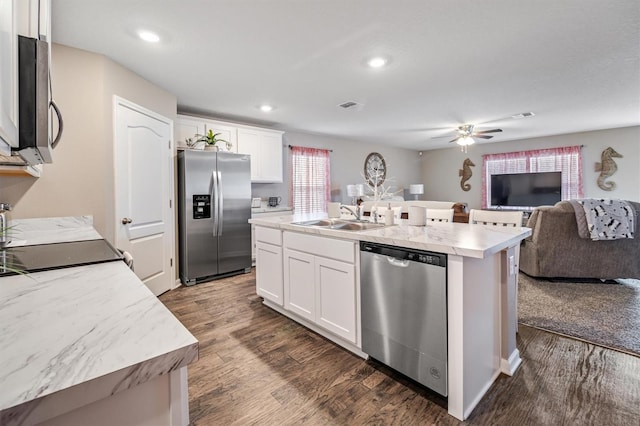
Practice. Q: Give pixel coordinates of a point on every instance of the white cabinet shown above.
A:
(190, 127)
(187, 128)
(269, 279)
(280, 212)
(265, 148)
(336, 297)
(8, 76)
(320, 282)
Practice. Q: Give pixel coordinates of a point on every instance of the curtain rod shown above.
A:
(330, 150)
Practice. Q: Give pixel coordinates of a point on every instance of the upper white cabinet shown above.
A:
(30, 18)
(265, 148)
(8, 76)
(191, 127)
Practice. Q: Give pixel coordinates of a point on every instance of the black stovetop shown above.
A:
(44, 257)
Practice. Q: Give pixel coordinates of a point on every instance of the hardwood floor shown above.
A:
(259, 367)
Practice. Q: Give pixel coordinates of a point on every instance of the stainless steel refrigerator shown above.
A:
(214, 206)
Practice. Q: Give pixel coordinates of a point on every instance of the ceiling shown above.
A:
(574, 63)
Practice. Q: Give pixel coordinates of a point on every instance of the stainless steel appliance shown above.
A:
(214, 207)
(404, 311)
(34, 102)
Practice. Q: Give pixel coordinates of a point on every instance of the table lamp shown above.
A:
(416, 189)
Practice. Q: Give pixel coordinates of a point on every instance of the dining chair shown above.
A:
(440, 215)
(501, 218)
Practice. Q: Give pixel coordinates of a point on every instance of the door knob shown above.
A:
(126, 220)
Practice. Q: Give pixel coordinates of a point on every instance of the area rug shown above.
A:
(605, 314)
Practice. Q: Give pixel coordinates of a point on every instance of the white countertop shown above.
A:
(462, 239)
(51, 230)
(67, 327)
(266, 209)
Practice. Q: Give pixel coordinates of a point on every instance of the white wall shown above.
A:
(347, 165)
(442, 182)
(80, 180)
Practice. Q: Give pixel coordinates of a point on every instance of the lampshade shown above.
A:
(416, 188)
(352, 191)
(467, 140)
(360, 189)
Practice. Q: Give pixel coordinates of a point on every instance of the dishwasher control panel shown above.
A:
(420, 256)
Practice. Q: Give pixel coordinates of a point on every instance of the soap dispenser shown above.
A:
(388, 215)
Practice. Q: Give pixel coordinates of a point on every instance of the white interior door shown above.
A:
(144, 192)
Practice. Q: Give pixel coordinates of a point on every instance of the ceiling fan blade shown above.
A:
(454, 140)
(482, 136)
(443, 136)
(488, 131)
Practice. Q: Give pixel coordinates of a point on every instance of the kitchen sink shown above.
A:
(340, 224)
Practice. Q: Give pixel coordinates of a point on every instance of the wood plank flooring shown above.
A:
(259, 367)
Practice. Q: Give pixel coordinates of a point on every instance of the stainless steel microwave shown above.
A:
(34, 143)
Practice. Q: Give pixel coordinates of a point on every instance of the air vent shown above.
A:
(522, 115)
(348, 105)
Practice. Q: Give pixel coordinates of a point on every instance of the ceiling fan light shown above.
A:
(467, 140)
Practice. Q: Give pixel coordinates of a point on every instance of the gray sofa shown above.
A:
(555, 249)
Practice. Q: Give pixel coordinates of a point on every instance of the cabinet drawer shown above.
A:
(321, 246)
(269, 235)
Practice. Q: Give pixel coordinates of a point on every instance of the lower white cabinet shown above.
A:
(269, 280)
(336, 297)
(319, 288)
(299, 283)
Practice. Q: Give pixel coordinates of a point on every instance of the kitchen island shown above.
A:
(88, 344)
(481, 290)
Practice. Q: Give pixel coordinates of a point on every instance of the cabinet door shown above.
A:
(265, 149)
(299, 286)
(336, 297)
(8, 76)
(269, 272)
(187, 127)
(271, 157)
(227, 132)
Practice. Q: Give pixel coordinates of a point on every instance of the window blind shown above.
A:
(310, 179)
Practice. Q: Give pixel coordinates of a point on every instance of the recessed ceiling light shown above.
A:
(377, 62)
(266, 108)
(149, 36)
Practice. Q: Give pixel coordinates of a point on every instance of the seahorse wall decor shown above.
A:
(466, 173)
(607, 167)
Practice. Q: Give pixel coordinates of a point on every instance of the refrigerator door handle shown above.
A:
(214, 197)
(220, 204)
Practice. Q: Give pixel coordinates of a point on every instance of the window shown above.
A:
(310, 179)
(567, 160)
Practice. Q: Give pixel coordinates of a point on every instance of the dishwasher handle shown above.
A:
(400, 263)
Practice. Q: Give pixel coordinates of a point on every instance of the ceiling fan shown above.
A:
(466, 134)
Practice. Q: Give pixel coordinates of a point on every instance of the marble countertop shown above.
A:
(266, 209)
(51, 230)
(477, 241)
(62, 329)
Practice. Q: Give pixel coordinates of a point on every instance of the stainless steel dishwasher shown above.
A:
(404, 311)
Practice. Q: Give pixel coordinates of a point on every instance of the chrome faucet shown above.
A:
(349, 209)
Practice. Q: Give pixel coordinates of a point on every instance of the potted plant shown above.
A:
(211, 139)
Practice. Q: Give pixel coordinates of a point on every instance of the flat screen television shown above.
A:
(525, 191)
